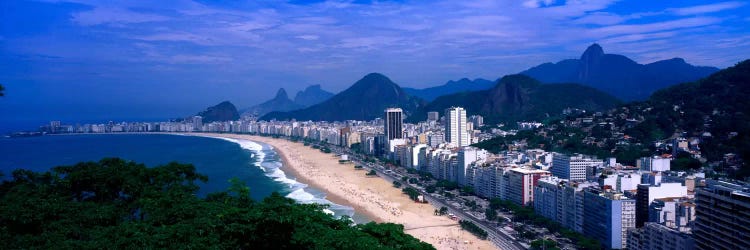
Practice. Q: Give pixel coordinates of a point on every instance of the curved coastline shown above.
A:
(299, 189)
(371, 196)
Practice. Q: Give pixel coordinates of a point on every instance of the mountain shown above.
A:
(225, 111)
(712, 114)
(451, 87)
(310, 96)
(715, 109)
(619, 75)
(519, 97)
(365, 100)
(280, 102)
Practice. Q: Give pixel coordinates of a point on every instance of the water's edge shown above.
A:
(268, 160)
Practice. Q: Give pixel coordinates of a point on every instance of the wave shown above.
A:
(267, 160)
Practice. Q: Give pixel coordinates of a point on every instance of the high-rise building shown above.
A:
(433, 116)
(467, 156)
(455, 127)
(655, 164)
(197, 123)
(608, 216)
(487, 180)
(394, 123)
(574, 167)
(648, 193)
(520, 185)
(673, 212)
(722, 216)
(561, 201)
(434, 139)
(656, 236)
(477, 120)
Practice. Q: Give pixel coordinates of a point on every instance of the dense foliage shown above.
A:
(569, 140)
(543, 244)
(526, 214)
(411, 192)
(473, 228)
(118, 204)
(712, 111)
(718, 104)
(519, 97)
(618, 75)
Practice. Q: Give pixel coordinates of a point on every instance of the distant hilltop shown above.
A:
(224, 111)
(520, 97)
(365, 100)
(618, 75)
(312, 95)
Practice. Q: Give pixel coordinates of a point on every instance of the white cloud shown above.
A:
(704, 9)
(104, 15)
(600, 18)
(538, 3)
(654, 27)
(308, 37)
(488, 37)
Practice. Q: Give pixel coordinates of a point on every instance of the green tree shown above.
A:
(543, 244)
(443, 210)
(684, 161)
(490, 214)
(467, 190)
(413, 180)
(125, 205)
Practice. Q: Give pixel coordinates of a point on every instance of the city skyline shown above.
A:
(81, 52)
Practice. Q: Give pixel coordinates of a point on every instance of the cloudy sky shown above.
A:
(89, 59)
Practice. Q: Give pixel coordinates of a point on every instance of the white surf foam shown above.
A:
(299, 191)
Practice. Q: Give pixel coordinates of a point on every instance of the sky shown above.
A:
(89, 60)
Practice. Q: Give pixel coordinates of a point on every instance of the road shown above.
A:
(499, 238)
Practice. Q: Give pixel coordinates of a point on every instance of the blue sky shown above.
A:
(89, 59)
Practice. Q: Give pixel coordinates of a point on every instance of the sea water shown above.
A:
(256, 164)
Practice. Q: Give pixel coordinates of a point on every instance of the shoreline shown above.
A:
(373, 197)
(333, 197)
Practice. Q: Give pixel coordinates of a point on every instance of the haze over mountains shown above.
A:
(464, 84)
(519, 97)
(313, 94)
(595, 82)
(224, 111)
(280, 102)
(365, 100)
(618, 75)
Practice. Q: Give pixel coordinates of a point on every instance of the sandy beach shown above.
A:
(372, 196)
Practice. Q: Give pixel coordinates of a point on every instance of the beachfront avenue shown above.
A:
(498, 238)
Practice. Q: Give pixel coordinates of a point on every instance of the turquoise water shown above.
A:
(256, 164)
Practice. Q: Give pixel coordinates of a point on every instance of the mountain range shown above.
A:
(365, 100)
(451, 87)
(618, 75)
(313, 94)
(715, 109)
(519, 97)
(594, 82)
(280, 102)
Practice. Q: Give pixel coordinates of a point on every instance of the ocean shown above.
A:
(254, 163)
